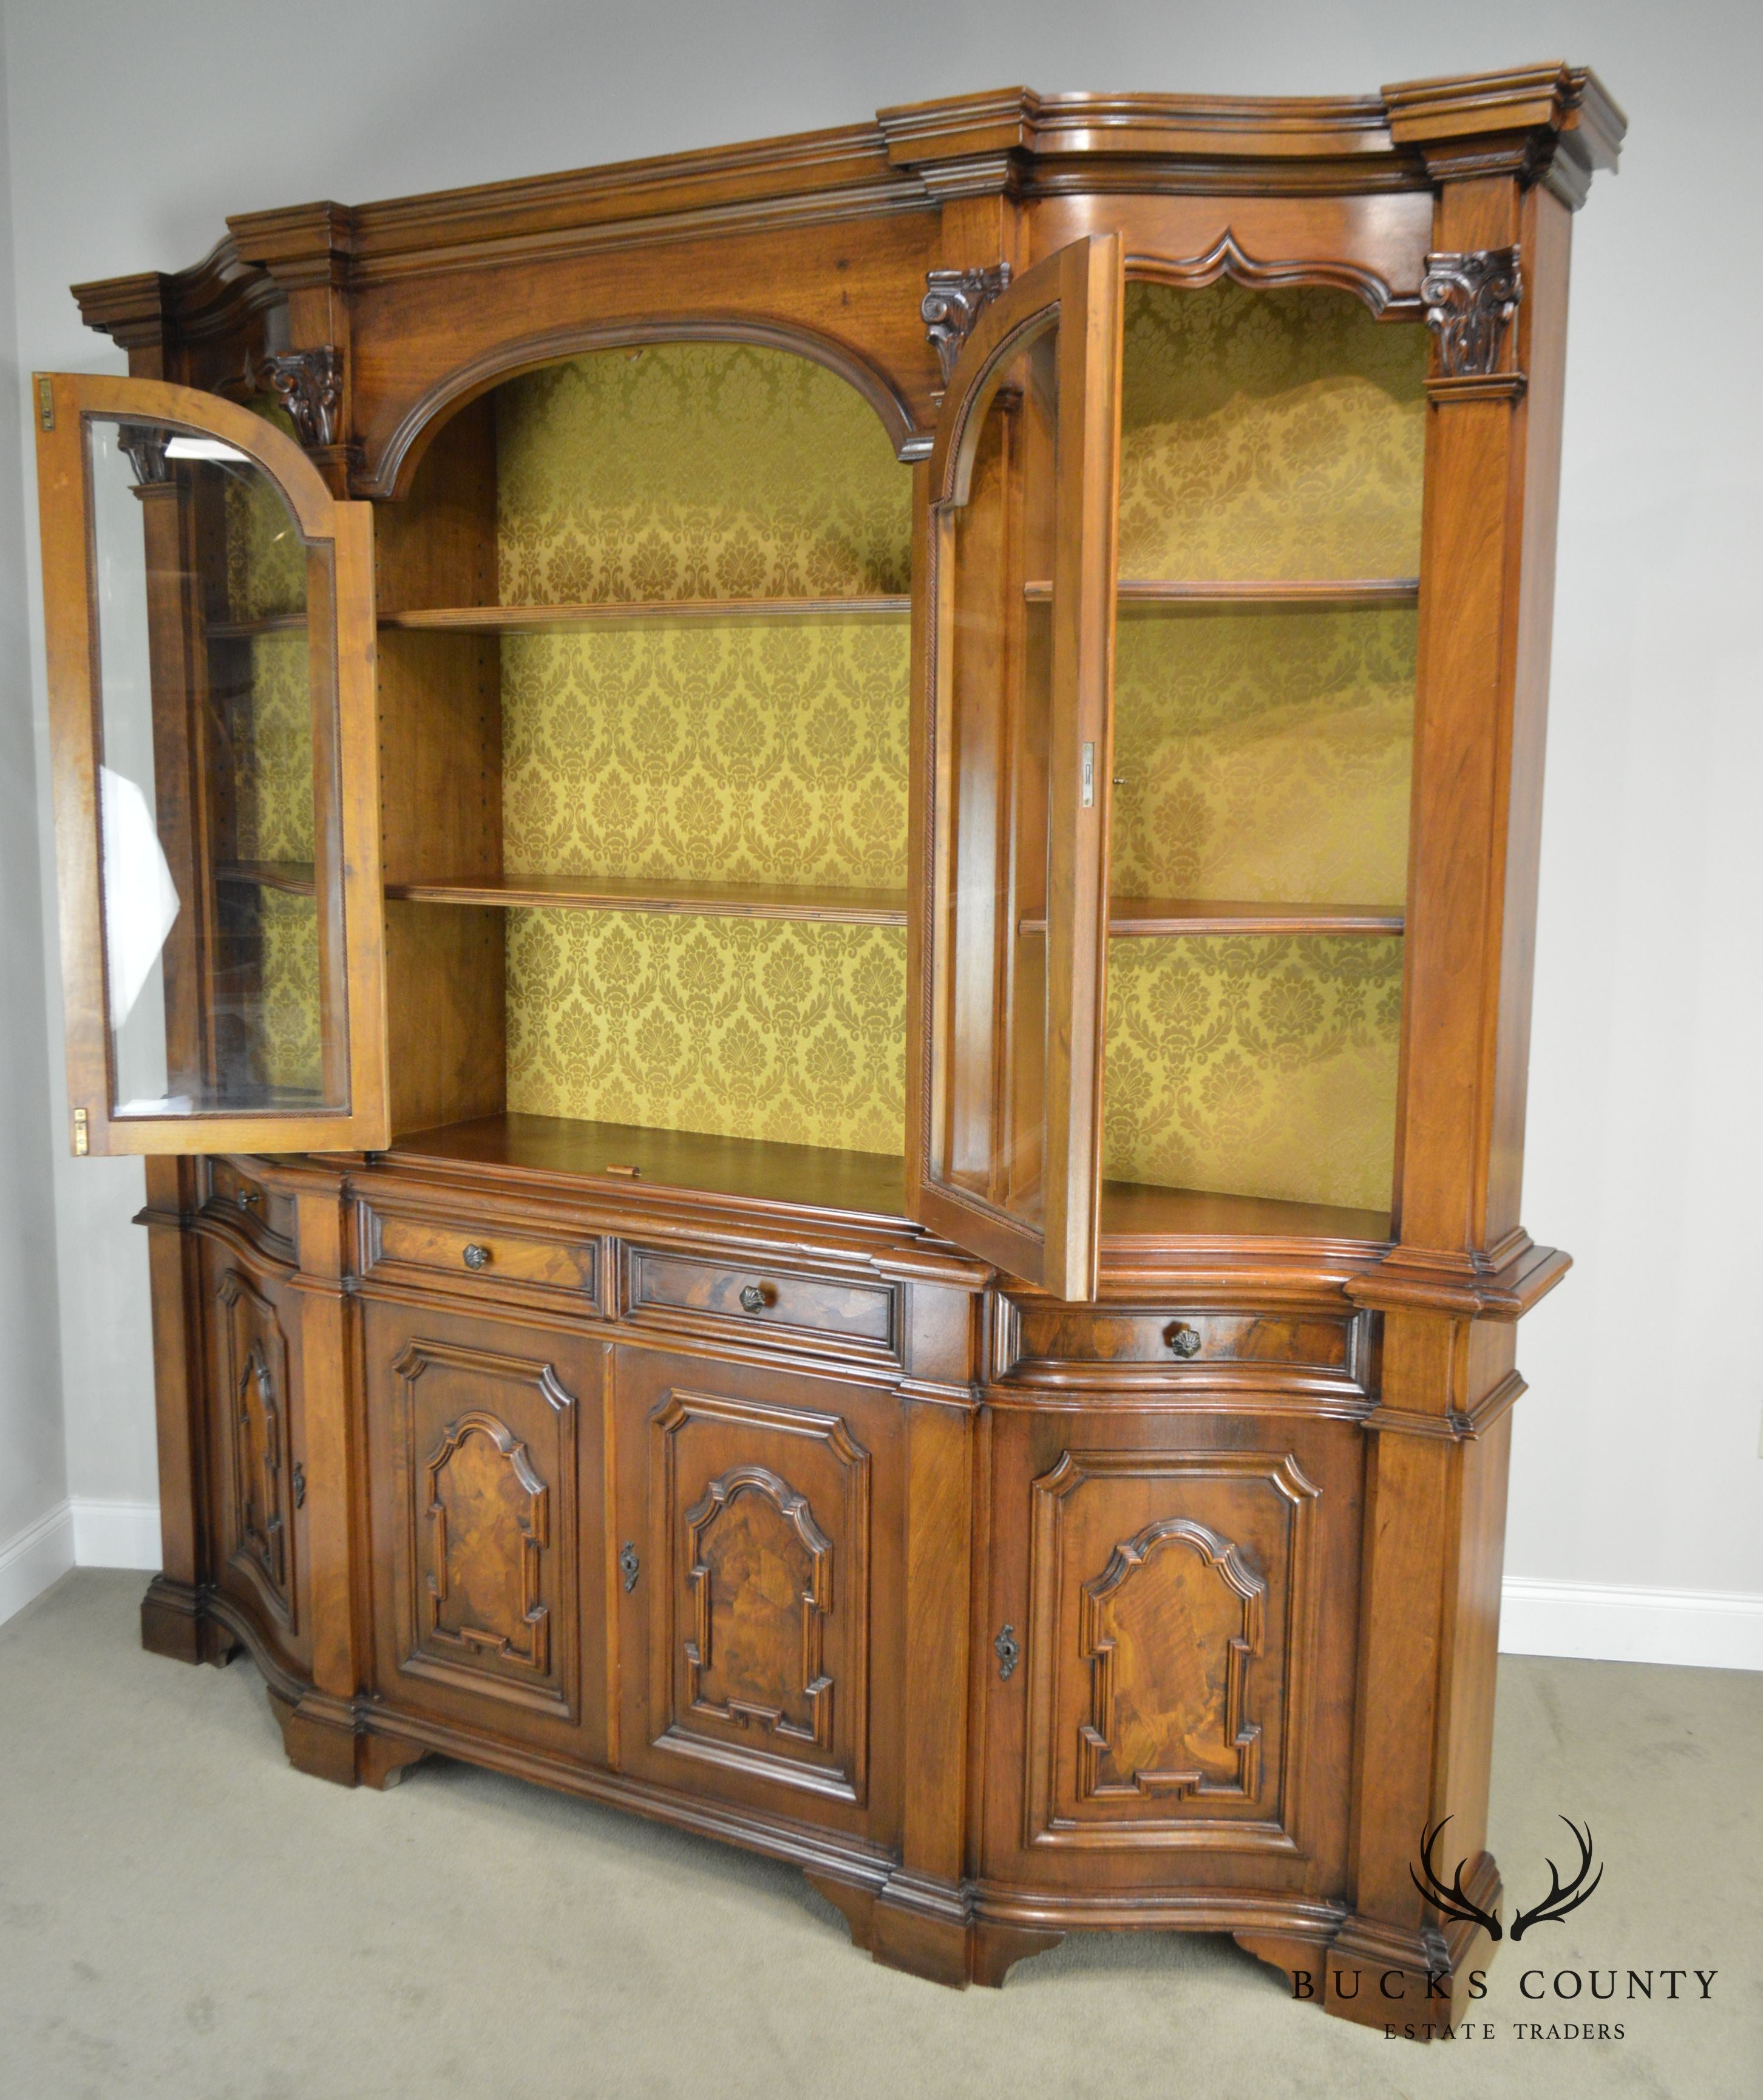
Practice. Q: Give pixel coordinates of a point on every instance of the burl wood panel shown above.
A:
(1181, 1712)
(759, 1507)
(484, 1443)
(251, 1347)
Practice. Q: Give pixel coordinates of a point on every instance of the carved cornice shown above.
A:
(1470, 299)
(953, 302)
(309, 385)
(1553, 124)
(305, 247)
(219, 296)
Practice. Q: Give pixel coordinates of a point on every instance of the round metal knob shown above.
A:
(476, 1256)
(1184, 1341)
(752, 1297)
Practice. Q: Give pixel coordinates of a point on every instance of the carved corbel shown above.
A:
(145, 444)
(1470, 298)
(309, 385)
(953, 302)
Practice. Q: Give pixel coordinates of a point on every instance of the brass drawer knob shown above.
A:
(752, 1297)
(476, 1256)
(1184, 1340)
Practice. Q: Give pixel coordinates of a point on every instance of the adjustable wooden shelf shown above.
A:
(811, 870)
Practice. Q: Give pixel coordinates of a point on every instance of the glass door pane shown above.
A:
(201, 682)
(216, 782)
(1022, 591)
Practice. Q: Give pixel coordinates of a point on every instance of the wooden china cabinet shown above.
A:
(812, 868)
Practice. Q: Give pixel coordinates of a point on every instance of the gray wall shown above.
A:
(32, 1449)
(135, 130)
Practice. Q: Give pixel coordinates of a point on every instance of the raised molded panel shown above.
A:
(1172, 1621)
(257, 1495)
(489, 1462)
(759, 1540)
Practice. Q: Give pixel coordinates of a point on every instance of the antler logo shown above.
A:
(1553, 1906)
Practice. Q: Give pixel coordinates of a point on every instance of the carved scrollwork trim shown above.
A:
(309, 385)
(953, 302)
(1470, 298)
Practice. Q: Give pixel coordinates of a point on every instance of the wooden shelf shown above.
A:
(242, 630)
(1345, 594)
(295, 877)
(1140, 916)
(716, 900)
(802, 1176)
(799, 1177)
(576, 619)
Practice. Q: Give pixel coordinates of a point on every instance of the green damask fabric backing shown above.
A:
(274, 812)
(1255, 1066)
(743, 1027)
(1269, 436)
(1264, 756)
(737, 752)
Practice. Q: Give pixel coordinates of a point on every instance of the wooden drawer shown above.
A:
(1054, 1337)
(686, 1293)
(481, 1256)
(266, 1219)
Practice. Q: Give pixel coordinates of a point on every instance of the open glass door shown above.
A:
(1020, 610)
(209, 617)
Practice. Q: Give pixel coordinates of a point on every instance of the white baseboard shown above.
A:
(1599, 1622)
(108, 1534)
(41, 1554)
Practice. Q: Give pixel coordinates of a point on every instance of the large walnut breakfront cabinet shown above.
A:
(812, 869)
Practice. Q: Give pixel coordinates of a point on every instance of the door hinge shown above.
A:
(46, 401)
(83, 1142)
(1089, 776)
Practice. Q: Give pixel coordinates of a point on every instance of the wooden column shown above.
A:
(1465, 1268)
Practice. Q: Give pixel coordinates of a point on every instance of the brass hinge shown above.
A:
(46, 401)
(82, 1143)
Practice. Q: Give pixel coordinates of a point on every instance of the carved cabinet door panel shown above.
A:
(486, 1504)
(1172, 1702)
(256, 1470)
(759, 1568)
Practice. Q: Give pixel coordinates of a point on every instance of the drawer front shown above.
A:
(481, 1256)
(1051, 1336)
(266, 1218)
(684, 1294)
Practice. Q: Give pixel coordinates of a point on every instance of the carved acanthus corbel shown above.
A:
(954, 301)
(309, 385)
(145, 444)
(1470, 298)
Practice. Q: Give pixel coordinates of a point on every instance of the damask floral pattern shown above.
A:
(1255, 1066)
(742, 752)
(741, 1027)
(1268, 435)
(772, 751)
(696, 471)
(275, 815)
(1263, 755)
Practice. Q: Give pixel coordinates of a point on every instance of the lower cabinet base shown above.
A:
(956, 1935)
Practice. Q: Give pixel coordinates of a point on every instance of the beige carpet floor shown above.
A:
(183, 1915)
